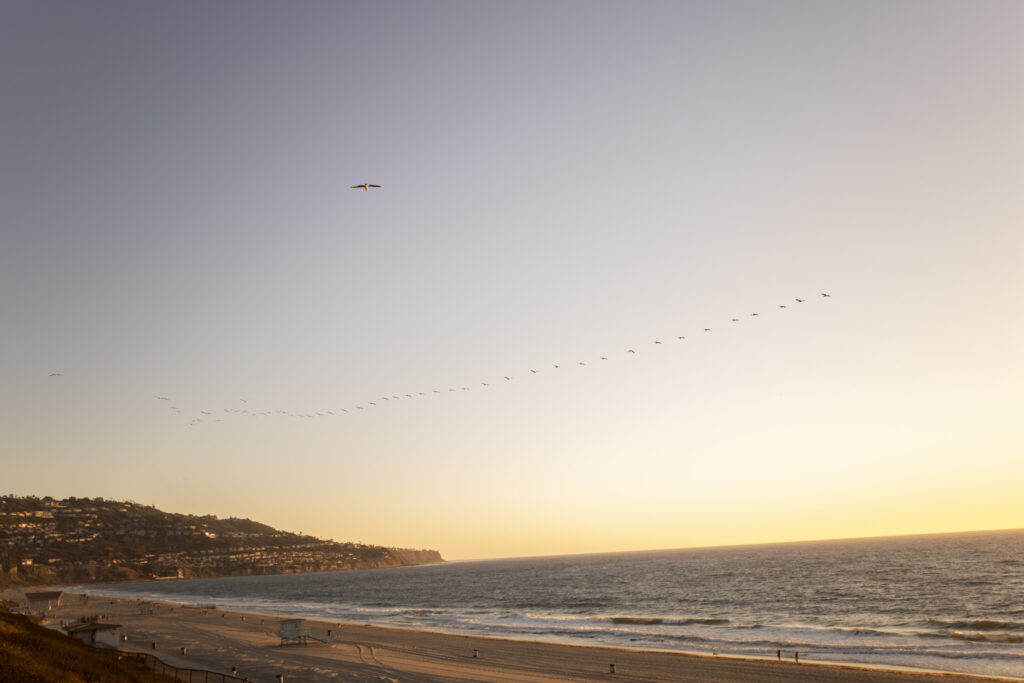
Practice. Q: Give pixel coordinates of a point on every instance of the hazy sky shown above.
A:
(561, 182)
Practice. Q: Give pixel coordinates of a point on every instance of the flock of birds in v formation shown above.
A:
(208, 414)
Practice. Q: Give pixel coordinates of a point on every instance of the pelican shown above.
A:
(364, 186)
(799, 301)
(825, 294)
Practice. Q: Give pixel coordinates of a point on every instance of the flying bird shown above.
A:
(657, 342)
(54, 374)
(604, 357)
(581, 363)
(506, 377)
(485, 384)
(755, 314)
(707, 329)
(799, 301)
(825, 294)
(556, 366)
(735, 320)
(364, 186)
(162, 398)
(630, 351)
(533, 371)
(782, 306)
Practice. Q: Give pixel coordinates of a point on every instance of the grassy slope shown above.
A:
(31, 653)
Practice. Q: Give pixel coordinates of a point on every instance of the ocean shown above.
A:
(950, 602)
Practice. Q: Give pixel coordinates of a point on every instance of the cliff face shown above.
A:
(405, 556)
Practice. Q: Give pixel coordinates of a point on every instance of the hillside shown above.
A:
(33, 653)
(85, 540)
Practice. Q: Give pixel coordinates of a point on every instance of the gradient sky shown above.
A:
(561, 181)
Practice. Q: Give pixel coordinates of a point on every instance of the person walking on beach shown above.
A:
(778, 653)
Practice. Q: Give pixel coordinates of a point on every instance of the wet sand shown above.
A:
(218, 640)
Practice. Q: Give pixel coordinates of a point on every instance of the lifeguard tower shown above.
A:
(294, 632)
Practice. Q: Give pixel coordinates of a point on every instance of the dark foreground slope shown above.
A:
(30, 653)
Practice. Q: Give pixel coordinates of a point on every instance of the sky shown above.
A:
(560, 182)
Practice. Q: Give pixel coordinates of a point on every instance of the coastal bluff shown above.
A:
(94, 540)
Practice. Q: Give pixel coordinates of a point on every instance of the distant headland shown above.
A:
(93, 540)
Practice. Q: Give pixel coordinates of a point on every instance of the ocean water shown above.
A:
(952, 602)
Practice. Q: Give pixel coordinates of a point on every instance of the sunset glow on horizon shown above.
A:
(201, 301)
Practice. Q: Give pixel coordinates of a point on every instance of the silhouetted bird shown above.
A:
(707, 329)
(533, 371)
(630, 351)
(506, 377)
(657, 342)
(364, 186)
(799, 301)
(735, 320)
(825, 294)
(54, 374)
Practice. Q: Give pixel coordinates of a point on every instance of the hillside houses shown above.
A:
(84, 540)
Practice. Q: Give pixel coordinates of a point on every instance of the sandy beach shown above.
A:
(218, 640)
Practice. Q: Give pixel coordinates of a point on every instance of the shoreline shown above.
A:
(220, 639)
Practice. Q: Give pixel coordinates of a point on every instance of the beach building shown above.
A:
(94, 633)
(45, 600)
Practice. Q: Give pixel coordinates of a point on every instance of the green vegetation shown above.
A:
(29, 652)
(85, 540)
